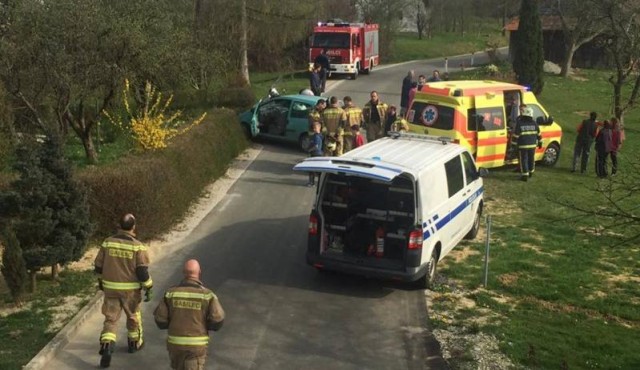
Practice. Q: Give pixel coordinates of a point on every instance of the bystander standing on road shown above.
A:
(435, 76)
(421, 81)
(315, 81)
(316, 150)
(325, 66)
(404, 93)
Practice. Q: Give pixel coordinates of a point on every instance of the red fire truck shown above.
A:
(351, 47)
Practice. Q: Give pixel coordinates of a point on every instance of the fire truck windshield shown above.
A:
(331, 40)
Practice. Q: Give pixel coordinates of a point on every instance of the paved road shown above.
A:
(282, 314)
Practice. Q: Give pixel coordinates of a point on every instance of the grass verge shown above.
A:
(561, 293)
(25, 331)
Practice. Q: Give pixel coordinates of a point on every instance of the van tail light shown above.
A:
(415, 239)
(313, 224)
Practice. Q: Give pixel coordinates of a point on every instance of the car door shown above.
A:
(272, 116)
(298, 120)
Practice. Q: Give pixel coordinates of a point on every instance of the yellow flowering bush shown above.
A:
(150, 126)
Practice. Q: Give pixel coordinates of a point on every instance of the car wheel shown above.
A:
(303, 141)
(427, 281)
(476, 224)
(551, 155)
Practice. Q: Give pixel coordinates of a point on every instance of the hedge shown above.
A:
(159, 187)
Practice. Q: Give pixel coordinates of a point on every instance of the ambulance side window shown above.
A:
(486, 119)
(455, 177)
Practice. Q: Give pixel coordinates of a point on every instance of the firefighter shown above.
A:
(354, 118)
(122, 266)
(189, 310)
(526, 136)
(316, 114)
(374, 114)
(334, 118)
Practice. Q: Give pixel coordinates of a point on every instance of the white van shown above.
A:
(394, 207)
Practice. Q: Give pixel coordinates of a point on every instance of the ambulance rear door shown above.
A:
(489, 121)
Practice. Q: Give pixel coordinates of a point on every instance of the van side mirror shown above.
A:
(483, 172)
(541, 120)
(549, 120)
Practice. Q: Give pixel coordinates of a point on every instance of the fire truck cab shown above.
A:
(480, 116)
(352, 48)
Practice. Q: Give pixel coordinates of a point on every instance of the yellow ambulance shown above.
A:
(480, 115)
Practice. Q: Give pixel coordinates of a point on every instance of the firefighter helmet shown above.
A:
(527, 111)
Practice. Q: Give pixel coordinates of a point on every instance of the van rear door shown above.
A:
(370, 169)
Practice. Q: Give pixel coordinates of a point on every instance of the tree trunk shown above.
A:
(33, 284)
(244, 67)
(55, 270)
(89, 148)
(568, 59)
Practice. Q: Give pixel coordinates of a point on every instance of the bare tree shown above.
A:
(418, 7)
(614, 206)
(622, 20)
(580, 25)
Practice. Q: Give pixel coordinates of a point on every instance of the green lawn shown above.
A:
(409, 47)
(25, 333)
(560, 295)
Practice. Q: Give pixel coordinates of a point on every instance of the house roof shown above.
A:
(549, 23)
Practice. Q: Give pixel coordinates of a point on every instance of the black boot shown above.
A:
(135, 346)
(106, 349)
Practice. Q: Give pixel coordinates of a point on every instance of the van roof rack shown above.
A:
(406, 135)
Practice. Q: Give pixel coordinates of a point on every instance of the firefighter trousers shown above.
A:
(374, 131)
(527, 161)
(187, 358)
(116, 301)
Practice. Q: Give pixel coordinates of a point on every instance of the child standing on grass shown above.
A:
(316, 148)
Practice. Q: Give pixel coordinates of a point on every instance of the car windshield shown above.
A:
(331, 40)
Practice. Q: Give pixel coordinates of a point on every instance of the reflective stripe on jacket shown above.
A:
(526, 134)
(189, 311)
(117, 260)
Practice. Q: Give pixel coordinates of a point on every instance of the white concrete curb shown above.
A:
(62, 338)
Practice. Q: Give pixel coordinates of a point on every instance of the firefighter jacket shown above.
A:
(354, 116)
(526, 134)
(189, 311)
(123, 263)
(400, 125)
(334, 119)
(370, 117)
(314, 115)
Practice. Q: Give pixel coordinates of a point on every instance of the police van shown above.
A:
(480, 115)
(394, 207)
